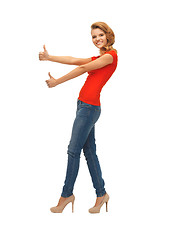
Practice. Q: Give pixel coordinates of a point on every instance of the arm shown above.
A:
(69, 60)
(62, 59)
(96, 64)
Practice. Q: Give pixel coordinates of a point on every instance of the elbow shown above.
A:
(83, 68)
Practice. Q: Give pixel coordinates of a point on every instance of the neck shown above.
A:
(103, 50)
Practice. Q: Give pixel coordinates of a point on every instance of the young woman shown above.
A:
(100, 69)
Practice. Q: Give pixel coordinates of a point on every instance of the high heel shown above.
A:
(97, 208)
(107, 206)
(73, 206)
(59, 209)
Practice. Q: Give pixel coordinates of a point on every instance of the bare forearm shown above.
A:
(61, 59)
(73, 74)
(52, 82)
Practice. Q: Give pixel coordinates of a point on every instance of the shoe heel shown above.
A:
(107, 206)
(72, 206)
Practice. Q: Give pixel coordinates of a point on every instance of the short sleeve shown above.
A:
(93, 58)
(114, 55)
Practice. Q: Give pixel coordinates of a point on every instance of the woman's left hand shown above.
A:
(52, 82)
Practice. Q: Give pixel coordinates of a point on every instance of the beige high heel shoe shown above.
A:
(59, 209)
(97, 208)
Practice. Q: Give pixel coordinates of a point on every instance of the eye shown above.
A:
(101, 34)
(93, 36)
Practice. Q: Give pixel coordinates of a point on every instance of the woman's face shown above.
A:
(98, 37)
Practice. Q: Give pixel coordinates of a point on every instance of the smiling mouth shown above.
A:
(99, 43)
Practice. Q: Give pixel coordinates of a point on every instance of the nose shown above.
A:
(98, 38)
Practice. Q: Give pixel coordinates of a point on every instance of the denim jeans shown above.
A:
(83, 137)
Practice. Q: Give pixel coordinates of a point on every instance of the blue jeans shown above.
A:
(82, 137)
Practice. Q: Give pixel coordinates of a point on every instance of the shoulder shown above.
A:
(113, 54)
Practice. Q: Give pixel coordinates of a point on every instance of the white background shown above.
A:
(133, 133)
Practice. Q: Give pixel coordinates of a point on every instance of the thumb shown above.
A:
(50, 75)
(44, 48)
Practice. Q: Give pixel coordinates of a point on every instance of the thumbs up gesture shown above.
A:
(43, 55)
(52, 82)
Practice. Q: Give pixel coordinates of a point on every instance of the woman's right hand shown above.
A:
(43, 55)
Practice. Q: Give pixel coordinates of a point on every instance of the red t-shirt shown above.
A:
(90, 92)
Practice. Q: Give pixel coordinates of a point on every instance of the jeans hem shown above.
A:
(101, 194)
(66, 195)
